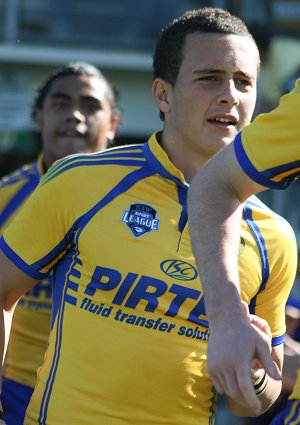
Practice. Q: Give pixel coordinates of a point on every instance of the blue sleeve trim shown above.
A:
(277, 341)
(29, 270)
(249, 168)
(256, 232)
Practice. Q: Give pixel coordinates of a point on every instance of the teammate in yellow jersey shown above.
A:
(129, 330)
(265, 154)
(75, 111)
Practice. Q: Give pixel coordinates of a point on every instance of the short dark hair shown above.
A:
(76, 69)
(168, 53)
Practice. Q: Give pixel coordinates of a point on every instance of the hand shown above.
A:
(262, 327)
(237, 345)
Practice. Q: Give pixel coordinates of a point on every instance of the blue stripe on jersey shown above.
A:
(127, 148)
(19, 198)
(85, 162)
(94, 158)
(58, 249)
(182, 197)
(158, 167)
(29, 270)
(294, 420)
(122, 155)
(63, 272)
(263, 177)
(114, 153)
(128, 181)
(59, 297)
(277, 340)
(247, 215)
(290, 415)
(26, 171)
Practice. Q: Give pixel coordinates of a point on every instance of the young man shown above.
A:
(129, 330)
(75, 111)
(265, 154)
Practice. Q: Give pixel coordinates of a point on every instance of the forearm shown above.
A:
(215, 201)
(267, 393)
(214, 220)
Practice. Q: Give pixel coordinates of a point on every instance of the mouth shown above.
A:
(224, 121)
(71, 135)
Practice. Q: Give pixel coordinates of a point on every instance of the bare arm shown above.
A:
(13, 284)
(215, 204)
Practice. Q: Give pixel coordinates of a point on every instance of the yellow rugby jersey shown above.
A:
(296, 390)
(31, 321)
(268, 149)
(129, 331)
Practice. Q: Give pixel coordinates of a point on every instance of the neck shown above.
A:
(188, 161)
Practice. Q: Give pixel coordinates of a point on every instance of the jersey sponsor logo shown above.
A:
(179, 270)
(143, 292)
(140, 219)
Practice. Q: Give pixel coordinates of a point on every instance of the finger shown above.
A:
(221, 380)
(246, 308)
(231, 387)
(265, 359)
(247, 390)
(261, 324)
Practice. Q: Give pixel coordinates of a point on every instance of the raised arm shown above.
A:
(215, 203)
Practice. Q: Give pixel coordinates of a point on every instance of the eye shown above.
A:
(208, 78)
(244, 82)
(91, 107)
(59, 104)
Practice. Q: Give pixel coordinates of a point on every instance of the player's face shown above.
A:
(75, 118)
(214, 95)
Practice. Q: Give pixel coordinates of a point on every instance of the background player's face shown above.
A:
(214, 95)
(75, 118)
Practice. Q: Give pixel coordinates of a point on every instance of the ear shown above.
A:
(161, 92)
(115, 121)
(38, 117)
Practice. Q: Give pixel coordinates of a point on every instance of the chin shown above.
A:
(74, 146)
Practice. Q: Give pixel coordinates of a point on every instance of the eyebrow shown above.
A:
(208, 70)
(220, 71)
(68, 97)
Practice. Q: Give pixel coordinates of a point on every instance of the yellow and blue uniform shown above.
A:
(268, 150)
(31, 322)
(129, 331)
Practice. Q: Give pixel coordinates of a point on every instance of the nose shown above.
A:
(76, 114)
(229, 94)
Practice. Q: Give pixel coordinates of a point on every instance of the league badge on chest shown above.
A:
(140, 219)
